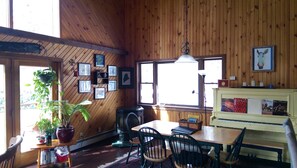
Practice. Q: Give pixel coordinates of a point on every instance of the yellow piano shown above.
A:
(261, 111)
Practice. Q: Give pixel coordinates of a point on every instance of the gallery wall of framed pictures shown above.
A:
(101, 78)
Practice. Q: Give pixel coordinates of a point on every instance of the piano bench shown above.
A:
(265, 145)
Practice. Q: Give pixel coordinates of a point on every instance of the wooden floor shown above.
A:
(103, 152)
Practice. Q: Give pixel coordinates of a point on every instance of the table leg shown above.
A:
(38, 157)
(69, 157)
(217, 155)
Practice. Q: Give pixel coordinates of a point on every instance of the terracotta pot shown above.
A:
(65, 135)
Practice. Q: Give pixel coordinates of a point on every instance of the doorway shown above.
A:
(17, 107)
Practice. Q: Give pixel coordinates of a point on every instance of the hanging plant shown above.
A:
(43, 80)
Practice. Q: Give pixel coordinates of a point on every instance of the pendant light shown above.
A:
(186, 57)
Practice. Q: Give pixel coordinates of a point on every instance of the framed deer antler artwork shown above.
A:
(263, 58)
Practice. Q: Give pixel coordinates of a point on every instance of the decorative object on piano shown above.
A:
(99, 60)
(280, 107)
(240, 105)
(263, 58)
(223, 83)
(243, 83)
(253, 83)
(267, 107)
(227, 105)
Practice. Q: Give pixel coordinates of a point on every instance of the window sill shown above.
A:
(176, 108)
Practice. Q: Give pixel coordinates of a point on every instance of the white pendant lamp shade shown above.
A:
(185, 58)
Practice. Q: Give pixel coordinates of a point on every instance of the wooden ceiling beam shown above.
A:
(29, 35)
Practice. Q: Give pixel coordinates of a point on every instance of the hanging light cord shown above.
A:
(185, 48)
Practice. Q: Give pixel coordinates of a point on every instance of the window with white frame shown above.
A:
(37, 16)
(180, 85)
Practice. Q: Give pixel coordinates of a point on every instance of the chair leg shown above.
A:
(131, 145)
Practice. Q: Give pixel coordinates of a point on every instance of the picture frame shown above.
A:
(126, 77)
(263, 58)
(99, 93)
(84, 69)
(112, 70)
(112, 85)
(223, 83)
(99, 60)
(84, 86)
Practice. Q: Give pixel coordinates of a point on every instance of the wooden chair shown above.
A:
(153, 146)
(132, 121)
(186, 151)
(232, 157)
(292, 143)
(7, 158)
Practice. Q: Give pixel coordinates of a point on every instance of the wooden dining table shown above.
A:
(208, 135)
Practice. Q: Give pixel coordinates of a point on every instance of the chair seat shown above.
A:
(223, 157)
(157, 158)
(135, 141)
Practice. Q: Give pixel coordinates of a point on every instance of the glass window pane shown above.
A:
(176, 84)
(29, 114)
(146, 92)
(214, 70)
(4, 13)
(2, 111)
(37, 16)
(209, 94)
(147, 73)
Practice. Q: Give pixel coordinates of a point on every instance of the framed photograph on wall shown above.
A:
(99, 60)
(99, 93)
(84, 69)
(112, 70)
(126, 77)
(263, 58)
(112, 85)
(84, 86)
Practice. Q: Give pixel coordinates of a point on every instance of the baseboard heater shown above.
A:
(94, 139)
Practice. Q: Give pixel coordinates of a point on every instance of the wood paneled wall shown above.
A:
(99, 22)
(155, 30)
(96, 22)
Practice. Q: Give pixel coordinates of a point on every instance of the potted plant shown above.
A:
(67, 110)
(43, 80)
(47, 127)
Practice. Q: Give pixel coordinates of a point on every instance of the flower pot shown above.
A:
(65, 135)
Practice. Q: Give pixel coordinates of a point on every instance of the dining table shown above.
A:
(208, 135)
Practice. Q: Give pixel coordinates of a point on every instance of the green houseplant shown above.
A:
(67, 110)
(43, 80)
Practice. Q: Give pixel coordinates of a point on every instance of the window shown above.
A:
(170, 84)
(36, 16)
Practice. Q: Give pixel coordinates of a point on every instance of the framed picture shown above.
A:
(112, 70)
(112, 85)
(223, 83)
(99, 60)
(84, 86)
(263, 58)
(84, 69)
(126, 77)
(99, 93)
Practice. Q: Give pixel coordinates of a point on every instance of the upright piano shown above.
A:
(261, 111)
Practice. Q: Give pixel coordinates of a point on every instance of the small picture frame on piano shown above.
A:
(223, 83)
